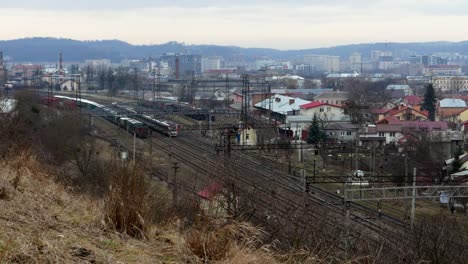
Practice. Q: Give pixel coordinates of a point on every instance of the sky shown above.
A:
(256, 23)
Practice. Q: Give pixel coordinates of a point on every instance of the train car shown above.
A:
(168, 128)
(134, 126)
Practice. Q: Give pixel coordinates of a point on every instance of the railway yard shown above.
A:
(257, 184)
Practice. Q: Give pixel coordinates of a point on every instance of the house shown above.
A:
(212, 202)
(462, 117)
(217, 95)
(393, 130)
(401, 112)
(407, 113)
(236, 97)
(324, 111)
(247, 136)
(412, 100)
(450, 109)
(336, 98)
(381, 134)
(301, 92)
(298, 80)
(341, 132)
(400, 87)
(370, 136)
(258, 97)
(281, 106)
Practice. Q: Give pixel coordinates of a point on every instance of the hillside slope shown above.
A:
(26, 50)
(41, 222)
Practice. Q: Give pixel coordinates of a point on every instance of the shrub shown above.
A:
(126, 207)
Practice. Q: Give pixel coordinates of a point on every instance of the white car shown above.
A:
(358, 173)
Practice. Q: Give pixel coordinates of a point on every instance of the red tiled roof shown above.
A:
(389, 127)
(317, 104)
(210, 191)
(380, 111)
(428, 125)
(389, 120)
(412, 100)
(396, 111)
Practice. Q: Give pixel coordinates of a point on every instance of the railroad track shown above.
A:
(277, 187)
(190, 139)
(189, 150)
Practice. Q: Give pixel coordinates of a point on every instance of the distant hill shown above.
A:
(47, 49)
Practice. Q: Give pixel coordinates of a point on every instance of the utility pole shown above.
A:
(174, 184)
(356, 157)
(306, 188)
(315, 160)
(134, 147)
(406, 184)
(152, 86)
(413, 200)
(227, 91)
(289, 150)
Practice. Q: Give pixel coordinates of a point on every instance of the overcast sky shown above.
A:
(271, 24)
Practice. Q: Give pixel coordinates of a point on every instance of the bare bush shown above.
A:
(213, 241)
(438, 239)
(126, 206)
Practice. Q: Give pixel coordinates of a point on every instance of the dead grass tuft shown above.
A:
(5, 191)
(214, 241)
(126, 206)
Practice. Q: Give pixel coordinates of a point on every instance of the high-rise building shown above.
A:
(3, 71)
(376, 54)
(415, 59)
(355, 61)
(324, 63)
(183, 66)
(211, 63)
(304, 69)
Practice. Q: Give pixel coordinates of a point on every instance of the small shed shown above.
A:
(211, 200)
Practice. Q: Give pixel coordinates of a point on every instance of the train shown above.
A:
(186, 109)
(131, 125)
(165, 127)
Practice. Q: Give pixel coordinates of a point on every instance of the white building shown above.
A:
(323, 111)
(442, 70)
(406, 89)
(326, 113)
(259, 64)
(354, 62)
(283, 105)
(450, 83)
(211, 63)
(377, 54)
(324, 62)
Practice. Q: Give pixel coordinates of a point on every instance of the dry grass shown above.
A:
(212, 241)
(44, 222)
(126, 206)
(41, 222)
